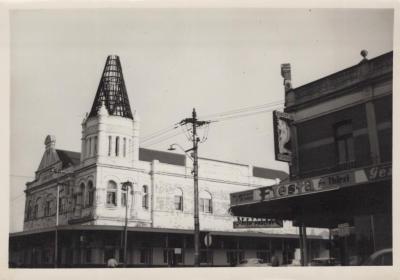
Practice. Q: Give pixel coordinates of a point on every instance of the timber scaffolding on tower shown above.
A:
(112, 91)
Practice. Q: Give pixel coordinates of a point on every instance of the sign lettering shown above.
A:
(248, 222)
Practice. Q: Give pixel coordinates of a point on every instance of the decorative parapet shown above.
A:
(365, 70)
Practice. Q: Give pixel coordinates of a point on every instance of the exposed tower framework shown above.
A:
(112, 91)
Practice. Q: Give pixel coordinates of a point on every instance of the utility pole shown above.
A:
(195, 123)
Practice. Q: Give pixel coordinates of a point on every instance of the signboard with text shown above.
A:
(314, 185)
(247, 222)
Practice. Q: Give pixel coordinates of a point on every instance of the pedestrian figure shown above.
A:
(112, 263)
(275, 261)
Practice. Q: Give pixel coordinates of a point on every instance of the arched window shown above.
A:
(117, 146)
(95, 145)
(62, 205)
(29, 210)
(109, 145)
(88, 146)
(47, 205)
(205, 202)
(90, 194)
(145, 197)
(124, 196)
(111, 193)
(36, 208)
(178, 199)
(81, 194)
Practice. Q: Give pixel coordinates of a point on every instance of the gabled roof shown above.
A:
(68, 158)
(112, 91)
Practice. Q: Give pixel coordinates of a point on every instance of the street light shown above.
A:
(125, 187)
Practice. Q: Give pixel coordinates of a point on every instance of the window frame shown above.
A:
(206, 203)
(344, 142)
(145, 197)
(113, 192)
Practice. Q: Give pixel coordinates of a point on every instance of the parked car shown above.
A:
(252, 262)
(381, 257)
(323, 262)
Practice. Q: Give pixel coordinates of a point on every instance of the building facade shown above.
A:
(341, 159)
(76, 207)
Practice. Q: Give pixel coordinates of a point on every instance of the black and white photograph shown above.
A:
(200, 137)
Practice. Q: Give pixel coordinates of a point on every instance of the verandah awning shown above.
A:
(323, 201)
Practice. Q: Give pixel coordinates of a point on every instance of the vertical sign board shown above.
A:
(282, 138)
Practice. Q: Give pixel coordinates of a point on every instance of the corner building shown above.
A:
(87, 229)
(342, 153)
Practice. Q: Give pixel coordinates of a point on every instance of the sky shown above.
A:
(173, 60)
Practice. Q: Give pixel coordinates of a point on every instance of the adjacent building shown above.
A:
(340, 156)
(76, 207)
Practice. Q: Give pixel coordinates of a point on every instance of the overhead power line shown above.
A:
(162, 134)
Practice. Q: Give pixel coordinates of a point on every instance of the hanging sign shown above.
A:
(282, 122)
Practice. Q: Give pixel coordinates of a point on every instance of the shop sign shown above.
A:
(300, 187)
(242, 197)
(282, 136)
(249, 222)
(313, 185)
(379, 172)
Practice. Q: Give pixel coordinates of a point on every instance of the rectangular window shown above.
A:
(344, 142)
(109, 145)
(145, 200)
(111, 200)
(95, 145)
(91, 194)
(205, 205)
(178, 200)
(117, 146)
(47, 208)
(124, 147)
(88, 141)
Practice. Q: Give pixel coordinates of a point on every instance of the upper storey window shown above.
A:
(90, 194)
(145, 197)
(109, 145)
(344, 142)
(117, 146)
(178, 200)
(124, 147)
(205, 202)
(111, 193)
